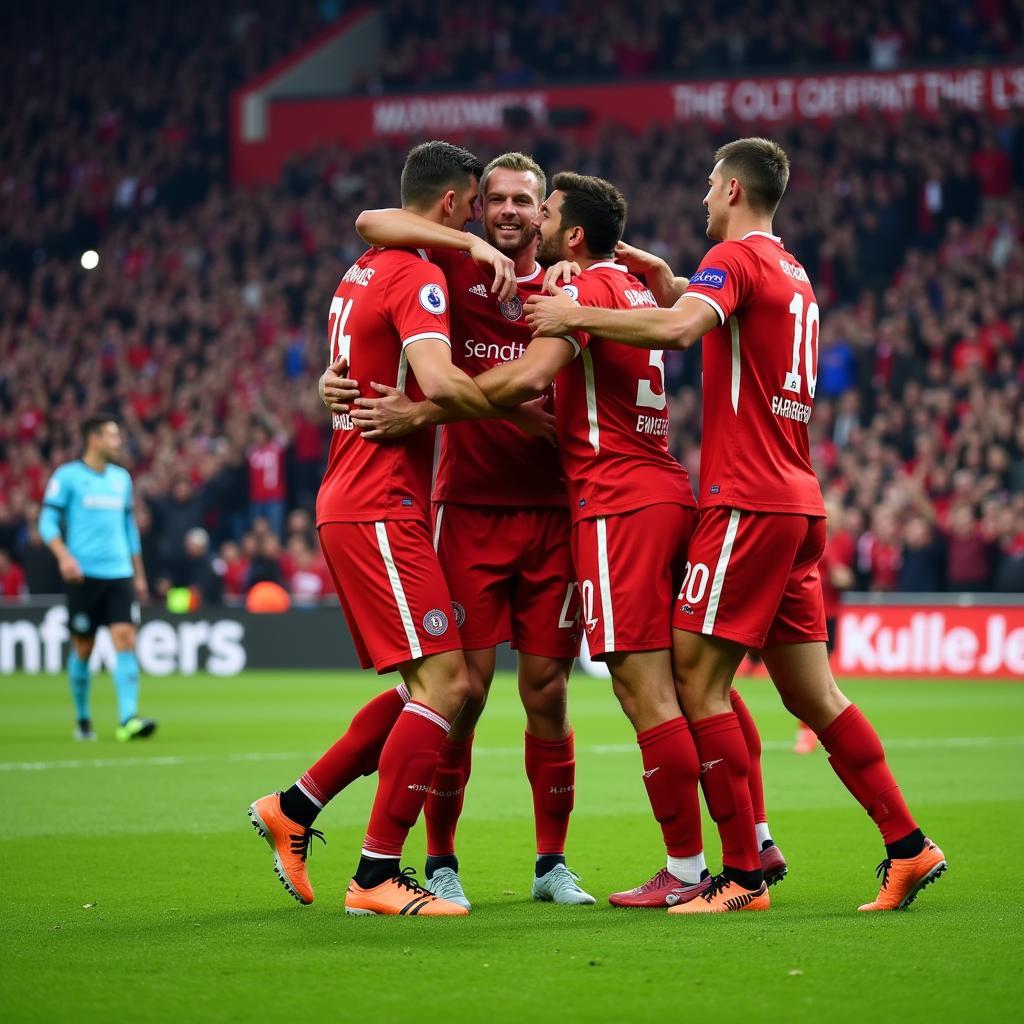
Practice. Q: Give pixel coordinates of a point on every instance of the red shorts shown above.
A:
(629, 568)
(752, 577)
(511, 577)
(391, 589)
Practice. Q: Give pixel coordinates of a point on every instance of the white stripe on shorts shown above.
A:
(396, 588)
(437, 524)
(606, 584)
(719, 581)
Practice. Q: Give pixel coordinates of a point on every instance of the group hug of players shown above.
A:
(530, 541)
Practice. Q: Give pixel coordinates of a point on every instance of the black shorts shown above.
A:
(94, 603)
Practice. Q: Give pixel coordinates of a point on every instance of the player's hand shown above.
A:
(70, 570)
(337, 391)
(638, 261)
(485, 255)
(141, 590)
(533, 419)
(549, 315)
(394, 414)
(560, 273)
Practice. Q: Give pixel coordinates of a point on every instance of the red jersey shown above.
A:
(387, 300)
(611, 413)
(266, 472)
(760, 368)
(492, 462)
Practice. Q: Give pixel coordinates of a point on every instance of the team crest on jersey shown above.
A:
(435, 622)
(512, 309)
(572, 291)
(710, 277)
(432, 299)
(460, 614)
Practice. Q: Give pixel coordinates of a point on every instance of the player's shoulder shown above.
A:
(120, 473)
(598, 282)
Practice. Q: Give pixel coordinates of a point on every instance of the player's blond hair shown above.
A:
(517, 162)
(761, 166)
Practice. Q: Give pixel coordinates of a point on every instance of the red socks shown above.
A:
(406, 770)
(358, 751)
(857, 757)
(447, 793)
(670, 775)
(551, 769)
(724, 764)
(752, 738)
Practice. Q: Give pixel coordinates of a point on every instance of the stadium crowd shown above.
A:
(202, 326)
(445, 43)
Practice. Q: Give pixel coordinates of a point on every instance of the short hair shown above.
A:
(595, 205)
(432, 168)
(94, 424)
(762, 168)
(517, 162)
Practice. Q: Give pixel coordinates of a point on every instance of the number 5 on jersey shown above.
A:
(340, 342)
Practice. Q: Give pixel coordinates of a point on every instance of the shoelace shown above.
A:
(302, 845)
(882, 871)
(407, 880)
(718, 883)
(662, 878)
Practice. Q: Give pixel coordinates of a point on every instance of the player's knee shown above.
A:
(123, 637)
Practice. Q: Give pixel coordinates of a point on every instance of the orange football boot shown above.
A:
(723, 896)
(290, 842)
(904, 877)
(399, 896)
(806, 740)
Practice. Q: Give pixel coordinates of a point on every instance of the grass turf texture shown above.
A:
(135, 888)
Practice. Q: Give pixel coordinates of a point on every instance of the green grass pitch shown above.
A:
(135, 889)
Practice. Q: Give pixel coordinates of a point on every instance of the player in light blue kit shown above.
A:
(88, 523)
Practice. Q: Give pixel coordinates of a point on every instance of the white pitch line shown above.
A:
(934, 743)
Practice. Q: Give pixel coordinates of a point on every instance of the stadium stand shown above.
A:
(202, 325)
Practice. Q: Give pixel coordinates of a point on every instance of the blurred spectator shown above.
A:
(200, 571)
(173, 517)
(236, 569)
(42, 576)
(923, 568)
(12, 577)
(267, 476)
(969, 560)
(306, 575)
(265, 565)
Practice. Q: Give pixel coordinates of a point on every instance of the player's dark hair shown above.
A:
(595, 205)
(761, 167)
(432, 168)
(93, 425)
(517, 162)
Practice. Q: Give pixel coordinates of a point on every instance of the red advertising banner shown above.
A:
(930, 641)
(294, 126)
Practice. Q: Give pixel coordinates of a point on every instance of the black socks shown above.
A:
(297, 806)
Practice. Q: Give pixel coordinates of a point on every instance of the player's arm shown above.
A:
(531, 374)
(665, 286)
(55, 503)
(135, 548)
(677, 328)
(394, 227)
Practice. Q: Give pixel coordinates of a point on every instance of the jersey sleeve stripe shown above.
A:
(710, 301)
(720, 570)
(426, 334)
(415, 651)
(572, 341)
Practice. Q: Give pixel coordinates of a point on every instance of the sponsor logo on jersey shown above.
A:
(435, 622)
(499, 353)
(432, 299)
(111, 502)
(572, 291)
(407, 502)
(512, 309)
(478, 289)
(460, 614)
(710, 277)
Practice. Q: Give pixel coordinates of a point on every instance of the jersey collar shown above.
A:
(532, 274)
(609, 264)
(765, 234)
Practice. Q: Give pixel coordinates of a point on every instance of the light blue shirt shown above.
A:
(93, 511)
